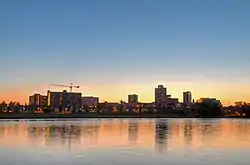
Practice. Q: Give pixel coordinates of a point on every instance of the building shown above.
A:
(160, 94)
(34, 99)
(37, 100)
(172, 101)
(90, 101)
(44, 100)
(187, 97)
(64, 100)
(133, 98)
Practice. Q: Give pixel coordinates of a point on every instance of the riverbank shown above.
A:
(90, 115)
(98, 115)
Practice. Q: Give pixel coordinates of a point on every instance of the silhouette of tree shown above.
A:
(140, 109)
(120, 107)
(3, 106)
(239, 103)
(242, 107)
(86, 108)
(98, 108)
(209, 108)
(46, 109)
(14, 106)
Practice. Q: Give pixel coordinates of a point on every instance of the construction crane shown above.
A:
(70, 86)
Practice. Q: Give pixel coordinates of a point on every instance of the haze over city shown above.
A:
(114, 48)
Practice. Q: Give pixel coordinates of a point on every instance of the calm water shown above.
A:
(125, 141)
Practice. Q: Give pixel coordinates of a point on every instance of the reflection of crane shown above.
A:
(70, 86)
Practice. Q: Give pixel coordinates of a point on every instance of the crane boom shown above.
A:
(70, 86)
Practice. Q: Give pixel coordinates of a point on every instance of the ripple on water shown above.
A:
(125, 141)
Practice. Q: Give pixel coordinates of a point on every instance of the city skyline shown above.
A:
(117, 100)
(112, 49)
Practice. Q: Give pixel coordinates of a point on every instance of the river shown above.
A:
(125, 141)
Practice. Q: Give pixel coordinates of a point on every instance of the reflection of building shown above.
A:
(188, 135)
(38, 100)
(133, 131)
(160, 94)
(133, 98)
(64, 99)
(187, 97)
(161, 131)
(90, 101)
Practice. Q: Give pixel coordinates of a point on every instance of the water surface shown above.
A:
(125, 141)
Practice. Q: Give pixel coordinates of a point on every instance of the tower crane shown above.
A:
(70, 86)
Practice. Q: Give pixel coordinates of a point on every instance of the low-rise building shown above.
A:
(90, 100)
(133, 98)
(37, 100)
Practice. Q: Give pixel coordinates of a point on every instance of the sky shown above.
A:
(112, 48)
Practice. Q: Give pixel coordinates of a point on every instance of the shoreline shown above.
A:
(99, 116)
(91, 115)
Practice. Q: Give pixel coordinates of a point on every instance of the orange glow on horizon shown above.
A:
(227, 93)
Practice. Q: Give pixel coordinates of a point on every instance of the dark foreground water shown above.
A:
(125, 142)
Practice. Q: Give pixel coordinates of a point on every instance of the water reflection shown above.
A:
(160, 135)
(188, 128)
(161, 131)
(133, 131)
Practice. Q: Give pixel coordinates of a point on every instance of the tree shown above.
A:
(120, 107)
(239, 103)
(3, 106)
(86, 108)
(98, 108)
(140, 109)
(209, 108)
(243, 108)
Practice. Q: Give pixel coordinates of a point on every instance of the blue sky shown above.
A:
(124, 41)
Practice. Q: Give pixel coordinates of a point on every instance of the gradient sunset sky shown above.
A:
(116, 47)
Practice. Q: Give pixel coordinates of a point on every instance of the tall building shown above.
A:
(133, 98)
(38, 100)
(160, 94)
(187, 97)
(63, 100)
(90, 101)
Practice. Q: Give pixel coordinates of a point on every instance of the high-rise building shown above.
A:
(63, 100)
(37, 100)
(90, 101)
(160, 94)
(133, 98)
(187, 97)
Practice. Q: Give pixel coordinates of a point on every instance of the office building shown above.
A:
(90, 101)
(63, 100)
(133, 98)
(37, 100)
(172, 101)
(160, 94)
(187, 97)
